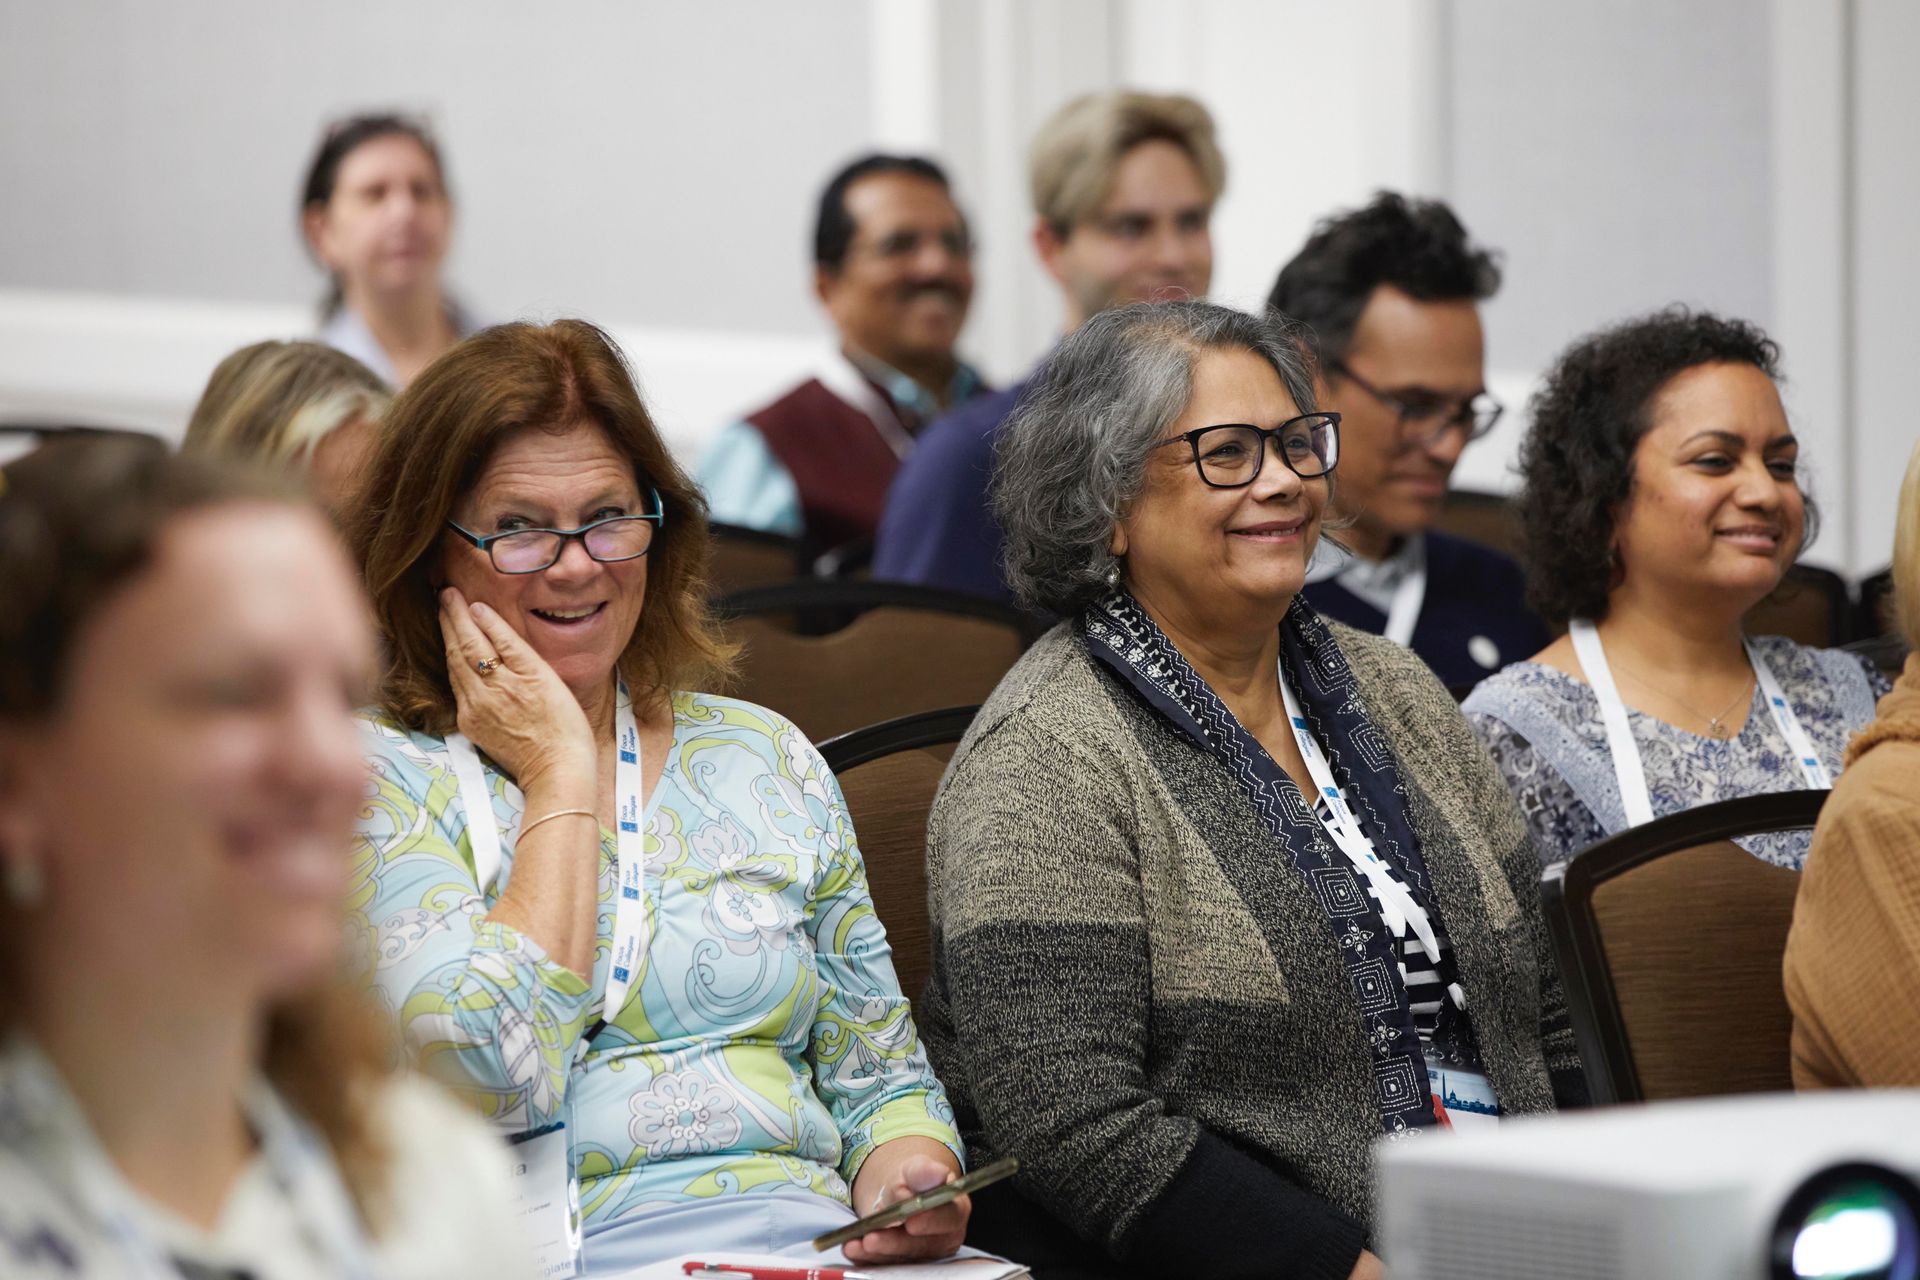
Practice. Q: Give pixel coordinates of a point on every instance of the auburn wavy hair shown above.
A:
(80, 519)
(437, 440)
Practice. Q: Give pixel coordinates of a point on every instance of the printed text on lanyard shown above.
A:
(630, 906)
(1398, 908)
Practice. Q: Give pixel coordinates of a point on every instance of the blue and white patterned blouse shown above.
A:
(765, 1046)
(1544, 730)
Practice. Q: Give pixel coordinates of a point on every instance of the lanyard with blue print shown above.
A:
(1628, 772)
(1399, 909)
(630, 908)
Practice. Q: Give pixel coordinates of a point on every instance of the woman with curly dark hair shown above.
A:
(1661, 501)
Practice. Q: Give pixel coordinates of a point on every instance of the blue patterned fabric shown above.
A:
(1120, 634)
(1543, 729)
(765, 1046)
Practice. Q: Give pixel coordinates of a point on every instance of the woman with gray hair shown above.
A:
(1186, 996)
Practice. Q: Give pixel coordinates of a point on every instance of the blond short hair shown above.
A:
(1077, 153)
(272, 402)
(1906, 554)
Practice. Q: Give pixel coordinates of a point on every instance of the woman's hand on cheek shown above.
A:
(934, 1233)
(519, 712)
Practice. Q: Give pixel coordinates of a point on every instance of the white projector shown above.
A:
(1770, 1187)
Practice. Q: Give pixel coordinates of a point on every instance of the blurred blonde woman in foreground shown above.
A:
(292, 406)
(187, 1085)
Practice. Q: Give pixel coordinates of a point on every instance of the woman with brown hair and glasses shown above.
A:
(598, 898)
(188, 1084)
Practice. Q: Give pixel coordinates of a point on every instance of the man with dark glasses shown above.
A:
(1391, 293)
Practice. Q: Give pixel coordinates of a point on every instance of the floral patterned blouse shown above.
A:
(1544, 730)
(764, 1046)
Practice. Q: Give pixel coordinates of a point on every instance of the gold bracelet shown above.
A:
(549, 817)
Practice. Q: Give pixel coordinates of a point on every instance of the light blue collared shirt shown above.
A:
(348, 332)
(747, 486)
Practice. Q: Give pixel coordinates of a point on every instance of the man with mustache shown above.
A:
(1123, 190)
(1390, 293)
(893, 266)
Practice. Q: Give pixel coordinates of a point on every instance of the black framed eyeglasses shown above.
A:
(1425, 417)
(609, 541)
(1230, 455)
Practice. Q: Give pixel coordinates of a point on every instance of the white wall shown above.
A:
(1885, 262)
(650, 163)
(650, 166)
(654, 166)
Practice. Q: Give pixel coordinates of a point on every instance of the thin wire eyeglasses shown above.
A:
(608, 541)
(1230, 455)
(1476, 415)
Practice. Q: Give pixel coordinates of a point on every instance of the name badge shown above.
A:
(547, 1199)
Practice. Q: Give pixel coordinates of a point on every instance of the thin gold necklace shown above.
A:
(1716, 725)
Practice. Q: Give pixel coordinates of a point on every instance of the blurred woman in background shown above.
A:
(1661, 502)
(292, 405)
(1853, 958)
(187, 1085)
(377, 215)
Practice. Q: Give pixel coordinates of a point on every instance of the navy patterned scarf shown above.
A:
(1119, 633)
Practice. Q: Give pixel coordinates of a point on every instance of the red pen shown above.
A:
(722, 1269)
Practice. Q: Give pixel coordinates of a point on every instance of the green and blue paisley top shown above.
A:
(764, 1046)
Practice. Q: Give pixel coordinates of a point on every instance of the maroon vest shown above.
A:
(837, 458)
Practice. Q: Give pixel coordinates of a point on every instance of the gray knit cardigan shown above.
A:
(1137, 996)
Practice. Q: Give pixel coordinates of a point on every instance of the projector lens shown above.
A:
(1850, 1222)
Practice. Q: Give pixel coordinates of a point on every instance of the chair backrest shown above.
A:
(1669, 941)
(1810, 606)
(744, 558)
(889, 773)
(1873, 614)
(906, 649)
(852, 561)
(1486, 518)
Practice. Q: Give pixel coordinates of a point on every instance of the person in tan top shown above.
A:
(1852, 966)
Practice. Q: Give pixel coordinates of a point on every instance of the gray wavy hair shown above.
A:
(1072, 458)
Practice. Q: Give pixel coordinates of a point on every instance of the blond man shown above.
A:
(1123, 188)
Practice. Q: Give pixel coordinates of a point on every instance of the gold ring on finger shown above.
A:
(486, 666)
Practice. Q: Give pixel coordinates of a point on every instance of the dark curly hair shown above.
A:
(1417, 246)
(1576, 462)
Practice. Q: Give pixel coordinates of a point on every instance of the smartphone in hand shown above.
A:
(895, 1214)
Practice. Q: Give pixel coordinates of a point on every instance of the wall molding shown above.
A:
(126, 360)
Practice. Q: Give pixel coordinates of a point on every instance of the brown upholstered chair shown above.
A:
(889, 773)
(1669, 941)
(1810, 606)
(1486, 518)
(893, 650)
(744, 558)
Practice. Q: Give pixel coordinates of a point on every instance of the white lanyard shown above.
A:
(630, 907)
(1405, 613)
(1398, 907)
(1627, 770)
(299, 1166)
(842, 377)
